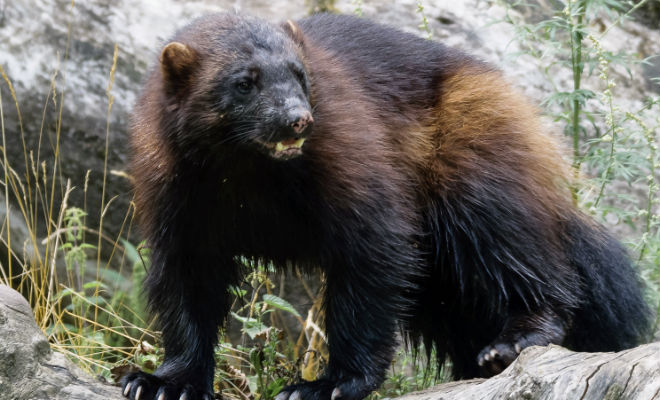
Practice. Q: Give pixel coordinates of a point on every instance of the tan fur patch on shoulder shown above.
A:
(487, 129)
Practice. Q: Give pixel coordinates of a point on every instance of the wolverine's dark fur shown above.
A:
(426, 191)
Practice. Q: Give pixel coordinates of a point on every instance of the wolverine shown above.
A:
(420, 182)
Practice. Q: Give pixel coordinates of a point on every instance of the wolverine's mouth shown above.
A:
(285, 149)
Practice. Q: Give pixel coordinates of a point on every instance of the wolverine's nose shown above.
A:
(300, 121)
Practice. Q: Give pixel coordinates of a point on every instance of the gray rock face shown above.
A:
(29, 370)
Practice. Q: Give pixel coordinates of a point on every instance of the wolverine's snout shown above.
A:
(300, 121)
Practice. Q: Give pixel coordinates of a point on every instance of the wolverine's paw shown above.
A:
(325, 389)
(143, 386)
(495, 357)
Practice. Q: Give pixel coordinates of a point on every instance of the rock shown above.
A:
(29, 369)
(554, 373)
(20, 233)
(649, 13)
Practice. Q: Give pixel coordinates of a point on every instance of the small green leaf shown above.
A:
(280, 304)
(251, 326)
(131, 251)
(95, 285)
(236, 291)
(275, 387)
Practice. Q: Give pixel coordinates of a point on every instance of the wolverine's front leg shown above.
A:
(365, 295)
(190, 301)
(361, 338)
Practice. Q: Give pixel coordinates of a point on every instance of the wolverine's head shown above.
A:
(234, 81)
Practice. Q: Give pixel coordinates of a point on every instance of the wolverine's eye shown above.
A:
(244, 86)
(300, 75)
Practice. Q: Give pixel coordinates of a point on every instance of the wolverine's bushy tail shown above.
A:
(613, 314)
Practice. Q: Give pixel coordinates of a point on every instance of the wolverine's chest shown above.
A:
(274, 216)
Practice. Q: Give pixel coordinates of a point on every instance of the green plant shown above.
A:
(267, 359)
(614, 145)
(357, 4)
(411, 373)
(424, 25)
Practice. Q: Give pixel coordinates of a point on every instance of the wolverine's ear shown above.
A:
(177, 63)
(293, 30)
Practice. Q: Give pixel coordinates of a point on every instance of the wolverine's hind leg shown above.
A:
(506, 271)
(499, 197)
(519, 332)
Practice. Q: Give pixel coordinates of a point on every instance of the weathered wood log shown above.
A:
(555, 373)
